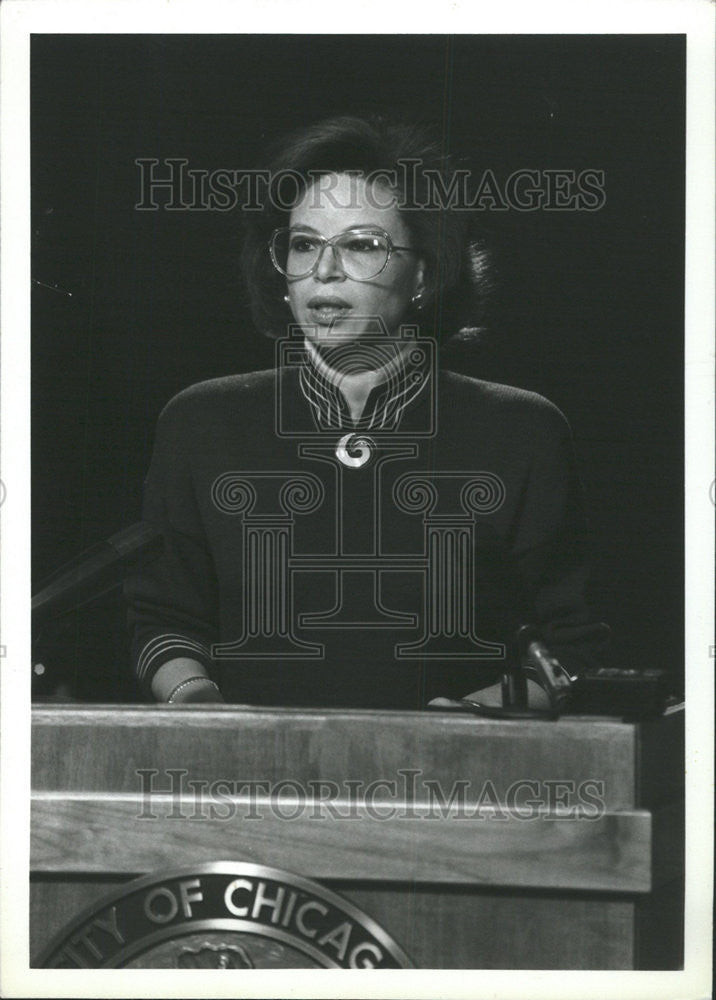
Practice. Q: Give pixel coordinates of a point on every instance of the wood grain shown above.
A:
(102, 748)
(104, 834)
(473, 892)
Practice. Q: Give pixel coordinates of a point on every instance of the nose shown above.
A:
(329, 267)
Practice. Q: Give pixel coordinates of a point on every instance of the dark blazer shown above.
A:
(297, 579)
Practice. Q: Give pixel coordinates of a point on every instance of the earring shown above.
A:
(416, 300)
(286, 299)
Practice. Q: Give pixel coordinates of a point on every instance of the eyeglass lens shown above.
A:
(361, 255)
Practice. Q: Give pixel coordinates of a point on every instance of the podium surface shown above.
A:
(475, 843)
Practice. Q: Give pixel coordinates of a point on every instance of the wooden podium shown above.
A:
(475, 843)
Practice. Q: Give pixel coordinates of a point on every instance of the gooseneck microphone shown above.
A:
(539, 661)
(95, 571)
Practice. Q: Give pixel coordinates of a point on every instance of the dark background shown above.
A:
(589, 312)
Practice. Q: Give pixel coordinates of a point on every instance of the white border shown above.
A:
(19, 18)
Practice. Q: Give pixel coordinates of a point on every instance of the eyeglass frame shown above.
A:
(326, 241)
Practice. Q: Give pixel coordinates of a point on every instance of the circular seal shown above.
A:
(224, 915)
(355, 450)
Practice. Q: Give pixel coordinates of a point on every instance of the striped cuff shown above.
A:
(167, 646)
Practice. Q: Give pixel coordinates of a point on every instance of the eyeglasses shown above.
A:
(361, 253)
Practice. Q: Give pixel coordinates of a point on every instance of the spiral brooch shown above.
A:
(355, 450)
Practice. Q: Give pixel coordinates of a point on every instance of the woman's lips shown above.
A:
(327, 308)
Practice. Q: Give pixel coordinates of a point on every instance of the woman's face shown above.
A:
(328, 301)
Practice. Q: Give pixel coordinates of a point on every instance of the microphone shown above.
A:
(549, 673)
(532, 660)
(93, 572)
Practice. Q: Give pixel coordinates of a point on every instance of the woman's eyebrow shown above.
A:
(365, 225)
(358, 226)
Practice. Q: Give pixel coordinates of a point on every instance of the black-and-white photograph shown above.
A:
(358, 565)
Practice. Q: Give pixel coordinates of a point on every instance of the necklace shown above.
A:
(355, 450)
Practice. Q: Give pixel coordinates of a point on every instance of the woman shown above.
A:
(356, 527)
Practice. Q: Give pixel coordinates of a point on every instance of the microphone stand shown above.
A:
(90, 575)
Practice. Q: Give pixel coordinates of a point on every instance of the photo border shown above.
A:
(21, 18)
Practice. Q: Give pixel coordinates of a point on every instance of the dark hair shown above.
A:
(458, 272)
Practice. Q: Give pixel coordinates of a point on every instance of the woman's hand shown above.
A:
(492, 696)
(536, 696)
(184, 681)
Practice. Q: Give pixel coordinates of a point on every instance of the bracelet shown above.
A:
(190, 680)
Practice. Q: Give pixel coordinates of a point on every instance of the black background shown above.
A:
(590, 310)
